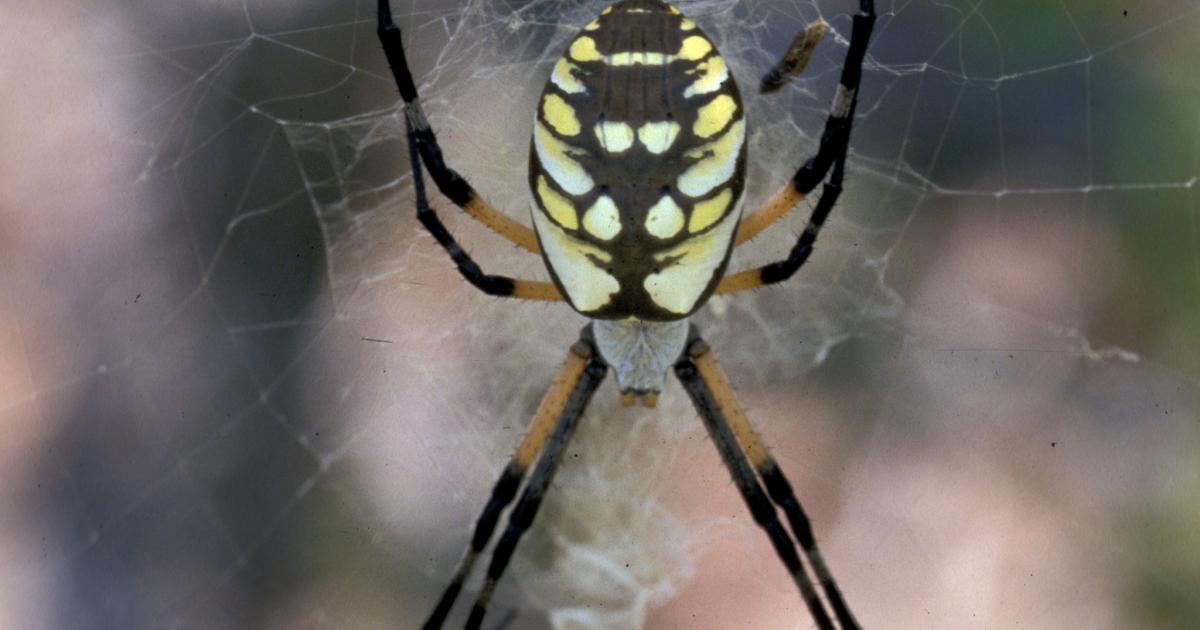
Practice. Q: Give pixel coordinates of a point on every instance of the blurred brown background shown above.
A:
(239, 388)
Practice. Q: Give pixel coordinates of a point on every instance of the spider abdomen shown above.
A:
(638, 165)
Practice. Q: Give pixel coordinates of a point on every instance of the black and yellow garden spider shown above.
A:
(636, 172)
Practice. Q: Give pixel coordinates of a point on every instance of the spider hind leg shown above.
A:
(749, 462)
(551, 428)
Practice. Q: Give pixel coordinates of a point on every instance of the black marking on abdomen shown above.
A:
(636, 178)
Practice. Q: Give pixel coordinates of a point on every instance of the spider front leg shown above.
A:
(448, 181)
(548, 433)
(741, 447)
(501, 286)
(835, 141)
(782, 270)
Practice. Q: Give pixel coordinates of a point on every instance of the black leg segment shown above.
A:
(547, 435)
(448, 181)
(747, 483)
(831, 154)
(501, 286)
(539, 481)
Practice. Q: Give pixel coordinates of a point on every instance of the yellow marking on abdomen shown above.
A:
(555, 156)
(686, 24)
(615, 137)
(694, 48)
(588, 287)
(706, 213)
(679, 286)
(658, 136)
(559, 207)
(564, 79)
(584, 49)
(560, 115)
(715, 169)
(603, 220)
(637, 57)
(714, 116)
(665, 218)
(713, 74)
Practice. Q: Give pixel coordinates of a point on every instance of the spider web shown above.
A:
(241, 388)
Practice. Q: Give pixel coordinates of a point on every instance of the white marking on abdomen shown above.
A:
(665, 218)
(715, 169)
(713, 74)
(614, 137)
(554, 155)
(564, 79)
(658, 136)
(588, 286)
(603, 219)
(677, 287)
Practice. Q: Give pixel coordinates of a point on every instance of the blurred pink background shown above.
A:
(240, 388)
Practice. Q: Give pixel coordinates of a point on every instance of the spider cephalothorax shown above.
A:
(637, 168)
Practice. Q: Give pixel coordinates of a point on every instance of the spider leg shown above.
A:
(527, 506)
(782, 270)
(555, 402)
(714, 380)
(502, 286)
(834, 139)
(548, 433)
(447, 179)
(741, 447)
